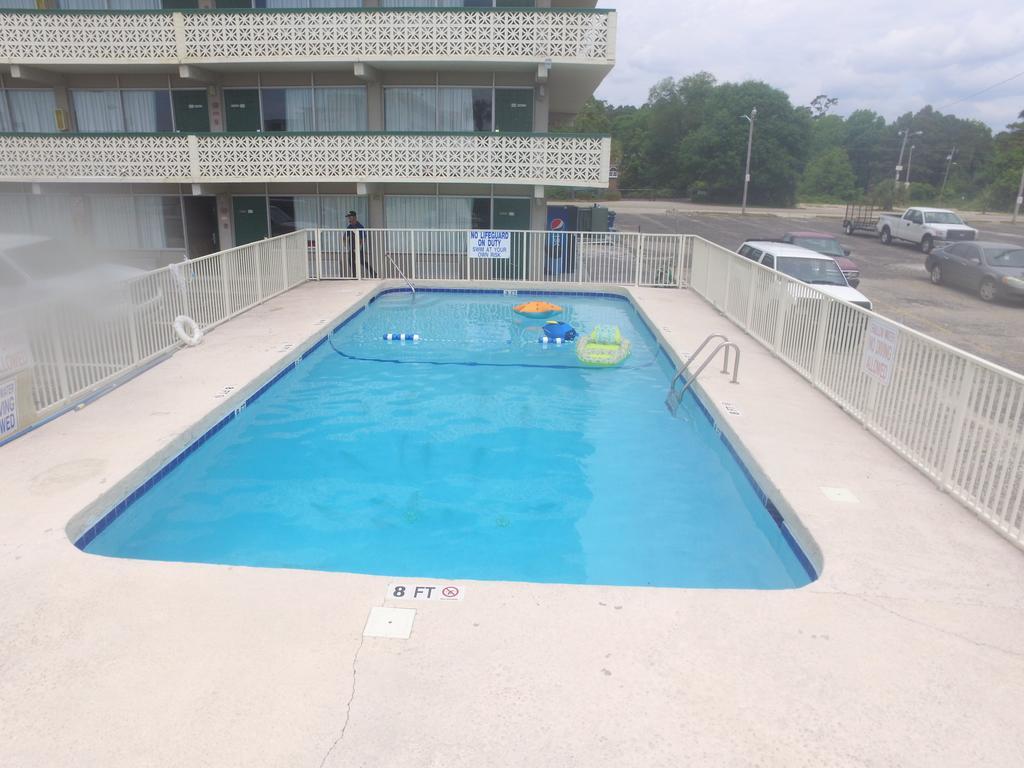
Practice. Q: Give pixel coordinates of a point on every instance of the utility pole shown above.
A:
(910, 162)
(906, 134)
(1020, 198)
(945, 176)
(750, 142)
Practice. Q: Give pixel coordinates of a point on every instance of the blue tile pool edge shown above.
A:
(94, 530)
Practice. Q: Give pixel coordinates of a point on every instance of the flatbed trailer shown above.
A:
(858, 218)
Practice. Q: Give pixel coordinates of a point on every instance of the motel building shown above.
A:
(162, 128)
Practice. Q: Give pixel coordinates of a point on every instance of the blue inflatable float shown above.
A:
(556, 332)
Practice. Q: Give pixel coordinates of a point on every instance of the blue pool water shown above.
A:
(475, 454)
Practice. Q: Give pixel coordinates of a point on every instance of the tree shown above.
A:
(1003, 170)
(715, 153)
(821, 104)
(829, 176)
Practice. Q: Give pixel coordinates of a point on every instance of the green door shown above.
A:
(242, 110)
(513, 110)
(191, 111)
(250, 219)
(512, 214)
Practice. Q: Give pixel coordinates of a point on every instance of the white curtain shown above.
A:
(298, 106)
(307, 212)
(134, 5)
(14, 216)
(410, 109)
(341, 109)
(113, 222)
(334, 207)
(410, 212)
(455, 109)
(83, 5)
(140, 111)
(422, 3)
(98, 111)
(454, 212)
(52, 216)
(5, 113)
(149, 222)
(33, 111)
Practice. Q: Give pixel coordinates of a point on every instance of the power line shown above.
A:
(983, 90)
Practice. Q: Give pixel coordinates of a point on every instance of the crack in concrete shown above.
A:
(348, 707)
(948, 633)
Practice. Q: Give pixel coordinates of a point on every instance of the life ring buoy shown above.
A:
(188, 330)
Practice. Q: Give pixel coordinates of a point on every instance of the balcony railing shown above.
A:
(261, 36)
(488, 158)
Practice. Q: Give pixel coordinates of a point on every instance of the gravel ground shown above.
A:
(893, 277)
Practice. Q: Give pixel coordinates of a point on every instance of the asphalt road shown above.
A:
(893, 277)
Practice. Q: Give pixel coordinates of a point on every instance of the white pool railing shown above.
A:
(957, 418)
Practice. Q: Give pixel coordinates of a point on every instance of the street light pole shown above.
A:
(1020, 198)
(910, 162)
(750, 142)
(906, 134)
(945, 176)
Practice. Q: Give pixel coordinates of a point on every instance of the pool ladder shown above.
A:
(672, 399)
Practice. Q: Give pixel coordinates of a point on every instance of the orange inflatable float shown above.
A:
(538, 309)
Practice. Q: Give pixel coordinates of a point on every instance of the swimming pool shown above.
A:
(475, 453)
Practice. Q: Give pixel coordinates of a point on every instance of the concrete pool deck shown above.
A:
(908, 650)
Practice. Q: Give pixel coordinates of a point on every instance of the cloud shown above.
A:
(888, 58)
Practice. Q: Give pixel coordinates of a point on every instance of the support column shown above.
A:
(225, 226)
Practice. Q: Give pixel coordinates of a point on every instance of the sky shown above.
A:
(889, 57)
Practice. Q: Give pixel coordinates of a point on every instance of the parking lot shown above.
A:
(893, 277)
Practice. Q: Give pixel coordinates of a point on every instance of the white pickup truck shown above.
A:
(923, 227)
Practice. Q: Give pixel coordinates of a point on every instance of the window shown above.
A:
(941, 217)
(769, 260)
(147, 111)
(48, 215)
(963, 251)
(291, 212)
(340, 109)
(287, 109)
(29, 111)
(131, 111)
(750, 252)
(109, 5)
(326, 109)
(457, 3)
(914, 217)
(307, 3)
(454, 109)
(140, 222)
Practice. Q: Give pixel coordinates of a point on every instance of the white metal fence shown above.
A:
(550, 257)
(77, 344)
(956, 417)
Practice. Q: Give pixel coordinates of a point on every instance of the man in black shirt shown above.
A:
(352, 218)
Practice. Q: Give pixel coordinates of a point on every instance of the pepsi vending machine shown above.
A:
(560, 252)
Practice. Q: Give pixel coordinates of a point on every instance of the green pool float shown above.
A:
(603, 347)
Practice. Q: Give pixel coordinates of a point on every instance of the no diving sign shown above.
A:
(445, 593)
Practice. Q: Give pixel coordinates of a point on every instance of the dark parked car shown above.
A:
(991, 269)
(823, 242)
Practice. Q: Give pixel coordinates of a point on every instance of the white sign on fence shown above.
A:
(880, 342)
(8, 408)
(14, 352)
(490, 244)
